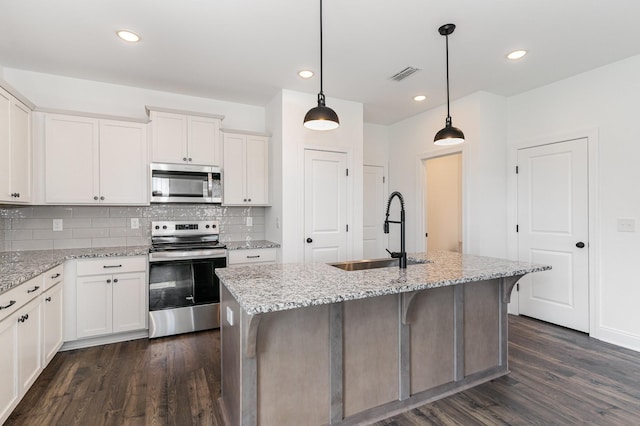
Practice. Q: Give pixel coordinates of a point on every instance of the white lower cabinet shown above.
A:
(29, 344)
(9, 389)
(114, 302)
(53, 309)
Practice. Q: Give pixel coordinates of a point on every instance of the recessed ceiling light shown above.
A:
(419, 98)
(305, 74)
(516, 54)
(128, 36)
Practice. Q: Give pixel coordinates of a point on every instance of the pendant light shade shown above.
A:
(321, 117)
(449, 135)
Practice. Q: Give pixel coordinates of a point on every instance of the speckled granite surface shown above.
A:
(20, 266)
(246, 245)
(270, 288)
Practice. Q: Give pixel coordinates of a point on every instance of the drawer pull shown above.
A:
(53, 277)
(11, 303)
(112, 266)
(36, 288)
(48, 299)
(253, 257)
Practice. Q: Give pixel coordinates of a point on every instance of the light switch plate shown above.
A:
(249, 221)
(135, 223)
(626, 225)
(229, 316)
(57, 224)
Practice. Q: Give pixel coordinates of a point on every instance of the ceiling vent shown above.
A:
(404, 73)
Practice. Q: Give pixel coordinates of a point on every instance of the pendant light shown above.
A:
(449, 135)
(321, 117)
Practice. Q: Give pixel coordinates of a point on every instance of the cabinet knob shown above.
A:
(48, 299)
(184, 158)
(115, 280)
(245, 200)
(580, 244)
(109, 281)
(249, 200)
(309, 240)
(190, 159)
(95, 197)
(102, 198)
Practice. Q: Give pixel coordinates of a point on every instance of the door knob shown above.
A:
(580, 244)
(309, 240)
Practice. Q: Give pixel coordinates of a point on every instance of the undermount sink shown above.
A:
(359, 265)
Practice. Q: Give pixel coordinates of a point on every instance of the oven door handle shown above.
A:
(168, 256)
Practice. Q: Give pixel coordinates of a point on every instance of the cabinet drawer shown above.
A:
(112, 265)
(252, 256)
(17, 297)
(53, 276)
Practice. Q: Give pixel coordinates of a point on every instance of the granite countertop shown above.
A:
(247, 245)
(278, 287)
(17, 267)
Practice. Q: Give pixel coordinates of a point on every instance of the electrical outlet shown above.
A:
(229, 316)
(57, 224)
(626, 225)
(135, 223)
(249, 221)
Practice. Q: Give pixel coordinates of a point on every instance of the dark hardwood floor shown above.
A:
(558, 377)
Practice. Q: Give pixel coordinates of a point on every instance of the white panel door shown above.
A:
(257, 152)
(202, 135)
(5, 146)
(124, 169)
(553, 229)
(325, 206)
(72, 160)
(21, 151)
(373, 212)
(234, 174)
(129, 302)
(169, 138)
(94, 306)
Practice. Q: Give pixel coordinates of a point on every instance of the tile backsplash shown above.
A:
(31, 227)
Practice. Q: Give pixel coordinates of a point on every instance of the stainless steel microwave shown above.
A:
(185, 183)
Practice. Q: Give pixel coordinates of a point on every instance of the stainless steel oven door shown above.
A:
(184, 292)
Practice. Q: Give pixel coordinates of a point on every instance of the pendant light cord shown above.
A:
(447, 48)
(321, 49)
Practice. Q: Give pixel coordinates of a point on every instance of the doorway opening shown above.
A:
(443, 203)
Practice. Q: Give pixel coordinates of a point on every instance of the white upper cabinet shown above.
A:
(245, 169)
(95, 161)
(15, 150)
(184, 138)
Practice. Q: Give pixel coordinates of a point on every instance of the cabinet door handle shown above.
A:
(33, 289)
(102, 198)
(115, 280)
(112, 266)
(249, 199)
(53, 277)
(184, 158)
(95, 197)
(11, 303)
(48, 299)
(245, 200)
(253, 257)
(17, 194)
(190, 159)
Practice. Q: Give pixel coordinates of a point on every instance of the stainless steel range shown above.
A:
(184, 292)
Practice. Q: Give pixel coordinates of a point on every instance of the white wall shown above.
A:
(481, 118)
(376, 145)
(53, 91)
(294, 139)
(605, 99)
(273, 215)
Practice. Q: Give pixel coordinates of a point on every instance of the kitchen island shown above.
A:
(314, 344)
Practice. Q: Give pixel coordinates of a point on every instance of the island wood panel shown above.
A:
(293, 367)
(231, 358)
(371, 356)
(432, 339)
(481, 326)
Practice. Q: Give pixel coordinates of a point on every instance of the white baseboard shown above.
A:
(105, 340)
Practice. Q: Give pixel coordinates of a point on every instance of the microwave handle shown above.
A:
(210, 184)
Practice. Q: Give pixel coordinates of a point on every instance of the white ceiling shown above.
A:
(247, 50)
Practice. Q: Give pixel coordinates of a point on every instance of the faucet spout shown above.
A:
(402, 255)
